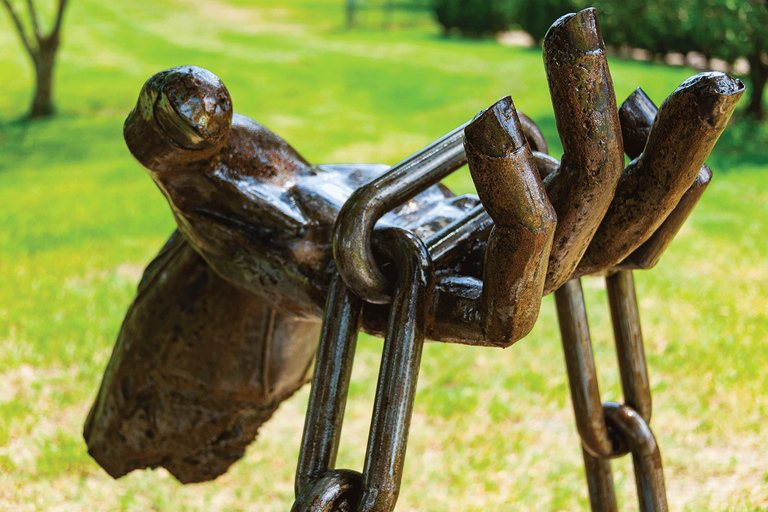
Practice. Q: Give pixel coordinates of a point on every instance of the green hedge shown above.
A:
(474, 18)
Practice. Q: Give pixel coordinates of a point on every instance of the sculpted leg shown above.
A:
(199, 365)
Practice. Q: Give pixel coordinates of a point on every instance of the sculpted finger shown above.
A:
(647, 255)
(507, 181)
(587, 120)
(637, 114)
(686, 128)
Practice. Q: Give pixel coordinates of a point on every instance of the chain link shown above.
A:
(646, 457)
(629, 342)
(352, 243)
(355, 224)
(333, 491)
(330, 385)
(319, 487)
(609, 430)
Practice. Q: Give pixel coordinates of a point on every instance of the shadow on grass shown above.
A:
(66, 138)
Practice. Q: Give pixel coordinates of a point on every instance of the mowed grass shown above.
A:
(492, 429)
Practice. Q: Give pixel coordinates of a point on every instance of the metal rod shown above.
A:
(399, 372)
(602, 496)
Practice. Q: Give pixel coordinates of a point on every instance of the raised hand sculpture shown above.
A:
(225, 323)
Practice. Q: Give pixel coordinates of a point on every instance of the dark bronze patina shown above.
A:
(637, 114)
(686, 128)
(160, 403)
(226, 320)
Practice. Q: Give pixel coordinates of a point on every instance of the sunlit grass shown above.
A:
(492, 429)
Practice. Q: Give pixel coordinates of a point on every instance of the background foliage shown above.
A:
(473, 18)
(493, 430)
(723, 29)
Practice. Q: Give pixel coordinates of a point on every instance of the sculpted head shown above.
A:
(183, 115)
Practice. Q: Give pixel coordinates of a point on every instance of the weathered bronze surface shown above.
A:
(686, 128)
(160, 403)
(225, 323)
(588, 123)
(187, 393)
(505, 175)
(637, 114)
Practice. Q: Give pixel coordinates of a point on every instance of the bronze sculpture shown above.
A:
(262, 234)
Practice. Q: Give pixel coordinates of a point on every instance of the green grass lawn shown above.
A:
(492, 429)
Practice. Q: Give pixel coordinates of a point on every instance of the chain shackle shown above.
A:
(319, 487)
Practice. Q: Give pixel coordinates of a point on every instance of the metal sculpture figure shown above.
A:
(225, 323)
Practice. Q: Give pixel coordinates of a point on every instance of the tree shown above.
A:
(723, 29)
(728, 30)
(41, 49)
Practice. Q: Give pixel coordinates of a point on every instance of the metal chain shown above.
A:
(319, 487)
(352, 242)
(609, 430)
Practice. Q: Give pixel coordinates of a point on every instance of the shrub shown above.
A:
(536, 16)
(474, 18)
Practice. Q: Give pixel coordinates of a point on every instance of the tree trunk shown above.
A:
(758, 75)
(44, 60)
(42, 52)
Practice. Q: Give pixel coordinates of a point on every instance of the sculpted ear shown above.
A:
(182, 115)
